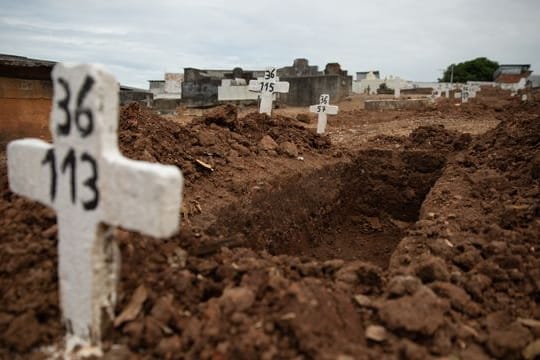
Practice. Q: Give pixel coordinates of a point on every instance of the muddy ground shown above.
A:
(400, 234)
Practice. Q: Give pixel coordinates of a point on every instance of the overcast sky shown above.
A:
(140, 40)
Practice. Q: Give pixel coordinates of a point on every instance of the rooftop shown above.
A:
(14, 60)
(25, 68)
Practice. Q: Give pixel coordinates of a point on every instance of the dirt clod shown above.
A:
(422, 312)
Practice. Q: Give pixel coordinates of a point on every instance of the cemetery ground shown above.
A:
(399, 234)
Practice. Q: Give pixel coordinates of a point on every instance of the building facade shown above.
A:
(25, 97)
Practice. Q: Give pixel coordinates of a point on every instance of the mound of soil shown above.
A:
(437, 138)
(29, 312)
(218, 139)
(462, 282)
(476, 243)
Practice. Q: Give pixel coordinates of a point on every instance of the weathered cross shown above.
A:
(473, 89)
(465, 94)
(439, 90)
(397, 91)
(92, 187)
(433, 96)
(322, 109)
(267, 86)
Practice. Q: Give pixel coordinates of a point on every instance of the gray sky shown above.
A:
(140, 40)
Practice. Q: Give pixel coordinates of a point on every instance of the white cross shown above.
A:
(322, 109)
(397, 91)
(267, 86)
(473, 90)
(438, 91)
(465, 94)
(92, 187)
(433, 96)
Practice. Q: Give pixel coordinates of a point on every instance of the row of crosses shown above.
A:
(93, 189)
(269, 85)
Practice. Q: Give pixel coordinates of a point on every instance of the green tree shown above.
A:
(479, 69)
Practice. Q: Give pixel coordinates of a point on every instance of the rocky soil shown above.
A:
(412, 245)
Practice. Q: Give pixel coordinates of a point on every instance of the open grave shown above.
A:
(358, 210)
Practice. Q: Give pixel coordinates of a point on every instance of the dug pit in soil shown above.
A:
(358, 210)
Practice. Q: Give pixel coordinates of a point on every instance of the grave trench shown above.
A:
(355, 210)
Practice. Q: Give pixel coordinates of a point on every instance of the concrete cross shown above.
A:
(397, 91)
(473, 89)
(465, 94)
(433, 96)
(93, 188)
(322, 109)
(439, 91)
(267, 86)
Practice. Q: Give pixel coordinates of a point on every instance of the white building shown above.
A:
(170, 88)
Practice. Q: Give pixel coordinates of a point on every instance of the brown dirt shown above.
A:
(427, 232)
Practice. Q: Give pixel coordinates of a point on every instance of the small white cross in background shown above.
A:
(267, 86)
(93, 188)
(397, 91)
(433, 96)
(323, 108)
(439, 91)
(473, 89)
(465, 94)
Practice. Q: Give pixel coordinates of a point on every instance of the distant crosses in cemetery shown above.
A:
(433, 96)
(447, 91)
(323, 108)
(473, 90)
(267, 86)
(93, 188)
(469, 91)
(397, 91)
(465, 94)
(439, 91)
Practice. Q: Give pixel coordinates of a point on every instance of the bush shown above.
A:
(479, 69)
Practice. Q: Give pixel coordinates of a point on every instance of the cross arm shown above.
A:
(254, 85)
(281, 87)
(142, 196)
(29, 169)
(329, 109)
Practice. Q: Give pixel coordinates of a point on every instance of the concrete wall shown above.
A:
(395, 104)
(170, 88)
(395, 82)
(365, 86)
(236, 93)
(300, 67)
(142, 97)
(199, 94)
(25, 107)
(173, 83)
(305, 91)
(417, 91)
(157, 86)
(166, 106)
(200, 87)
